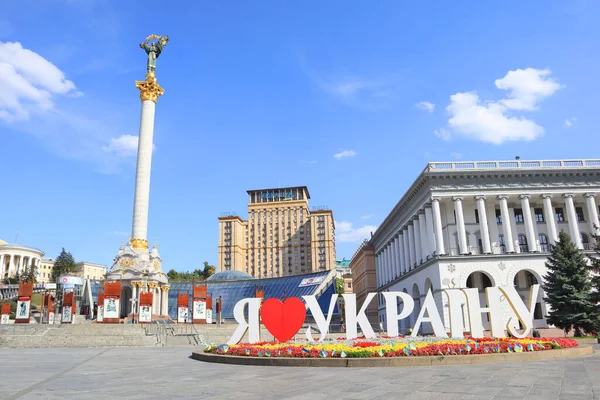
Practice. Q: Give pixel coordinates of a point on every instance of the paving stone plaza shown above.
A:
(168, 372)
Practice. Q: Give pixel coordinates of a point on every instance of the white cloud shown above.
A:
(527, 87)
(28, 82)
(123, 146)
(344, 154)
(490, 121)
(425, 106)
(570, 122)
(366, 216)
(344, 232)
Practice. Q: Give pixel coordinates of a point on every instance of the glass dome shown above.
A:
(229, 276)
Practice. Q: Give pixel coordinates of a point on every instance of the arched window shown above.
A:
(523, 244)
(544, 243)
(502, 244)
(585, 241)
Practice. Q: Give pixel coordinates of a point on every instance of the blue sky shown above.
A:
(349, 99)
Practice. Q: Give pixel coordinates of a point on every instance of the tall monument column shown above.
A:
(135, 262)
(150, 90)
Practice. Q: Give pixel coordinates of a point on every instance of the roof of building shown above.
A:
(16, 246)
(250, 191)
(229, 275)
(342, 263)
(2, 242)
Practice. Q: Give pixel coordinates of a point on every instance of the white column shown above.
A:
(437, 226)
(390, 262)
(592, 213)
(549, 217)
(406, 250)
(378, 270)
(394, 259)
(531, 238)
(165, 302)
(424, 242)
(134, 295)
(11, 265)
(418, 251)
(401, 252)
(460, 225)
(430, 230)
(2, 265)
(508, 237)
(386, 265)
(483, 225)
(573, 224)
(20, 267)
(144, 163)
(411, 245)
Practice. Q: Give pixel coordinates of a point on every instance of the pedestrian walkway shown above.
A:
(161, 373)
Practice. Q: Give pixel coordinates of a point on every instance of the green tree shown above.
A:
(64, 264)
(339, 285)
(172, 274)
(29, 274)
(208, 270)
(568, 288)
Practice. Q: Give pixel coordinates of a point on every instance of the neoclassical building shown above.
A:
(15, 257)
(481, 224)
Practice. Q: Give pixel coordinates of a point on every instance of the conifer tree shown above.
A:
(64, 264)
(568, 288)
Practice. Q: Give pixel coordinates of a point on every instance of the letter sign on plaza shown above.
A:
(280, 316)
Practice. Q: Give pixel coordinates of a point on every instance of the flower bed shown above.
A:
(391, 347)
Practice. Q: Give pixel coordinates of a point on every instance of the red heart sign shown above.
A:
(283, 320)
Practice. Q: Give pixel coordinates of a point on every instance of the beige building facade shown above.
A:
(364, 279)
(93, 271)
(281, 236)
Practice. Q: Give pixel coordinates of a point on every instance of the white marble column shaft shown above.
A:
(592, 213)
(508, 237)
(411, 245)
(549, 217)
(573, 223)
(405, 250)
(529, 230)
(424, 242)
(430, 230)
(483, 225)
(460, 225)
(144, 165)
(437, 226)
(417, 227)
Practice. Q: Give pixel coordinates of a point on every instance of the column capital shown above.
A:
(545, 196)
(149, 88)
(420, 212)
(436, 199)
(568, 195)
(457, 198)
(588, 195)
(502, 197)
(524, 196)
(479, 197)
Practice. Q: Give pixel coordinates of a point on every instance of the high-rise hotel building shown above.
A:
(281, 236)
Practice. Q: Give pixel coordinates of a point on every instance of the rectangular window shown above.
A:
(476, 216)
(539, 215)
(579, 214)
(560, 216)
(498, 217)
(519, 216)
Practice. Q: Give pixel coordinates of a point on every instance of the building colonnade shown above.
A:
(14, 263)
(160, 296)
(422, 236)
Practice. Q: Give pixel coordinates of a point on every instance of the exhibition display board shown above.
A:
(5, 313)
(112, 297)
(100, 312)
(201, 305)
(23, 310)
(145, 313)
(182, 308)
(69, 309)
